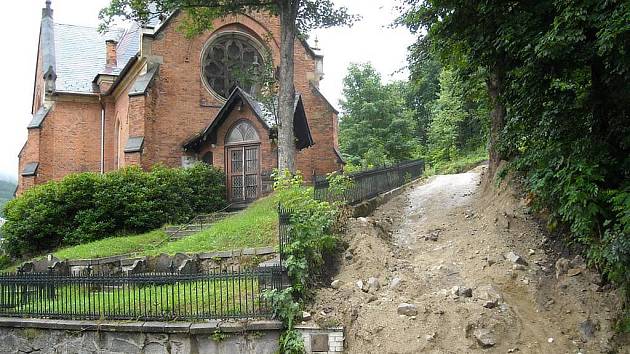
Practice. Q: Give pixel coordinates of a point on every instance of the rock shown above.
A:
(430, 337)
(395, 283)
(596, 279)
(433, 236)
(361, 285)
(491, 261)
(490, 297)
(519, 267)
(549, 340)
(372, 298)
(373, 284)
(532, 252)
(306, 316)
(577, 262)
(515, 258)
(490, 304)
(362, 220)
(587, 330)
(484, 337)
(407, 309)
(461, 291)
(336, 284)
(562, 265)
(574, 271)
(348, 255)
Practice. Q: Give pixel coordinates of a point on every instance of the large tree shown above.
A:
(376, 126)
(476, 34)
(297, 17)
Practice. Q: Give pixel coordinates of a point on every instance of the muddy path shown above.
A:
(431, 271)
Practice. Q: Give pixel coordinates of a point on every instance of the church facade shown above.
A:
(147, 95)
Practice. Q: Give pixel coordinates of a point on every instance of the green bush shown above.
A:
(87, 206)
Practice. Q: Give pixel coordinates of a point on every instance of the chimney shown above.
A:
(47, 11)
(110, 56)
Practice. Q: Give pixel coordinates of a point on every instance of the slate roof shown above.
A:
(134, 144)
(30, 169)
(143, 82)
(80, 54)
(38, 118)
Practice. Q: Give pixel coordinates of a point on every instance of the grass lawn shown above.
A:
(256, 226)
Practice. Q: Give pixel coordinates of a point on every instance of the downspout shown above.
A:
(100, 100)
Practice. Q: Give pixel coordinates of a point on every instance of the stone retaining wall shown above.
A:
(163, 263)
(69, 337)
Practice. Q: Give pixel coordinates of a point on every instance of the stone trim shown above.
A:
(208, 327)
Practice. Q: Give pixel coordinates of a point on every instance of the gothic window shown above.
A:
(228, 61)
(242, 132)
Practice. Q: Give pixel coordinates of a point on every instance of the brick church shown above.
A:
(147, 94)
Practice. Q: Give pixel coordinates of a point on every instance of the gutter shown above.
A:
(100, 101)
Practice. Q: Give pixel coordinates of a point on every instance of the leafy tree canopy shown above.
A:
(377, 126)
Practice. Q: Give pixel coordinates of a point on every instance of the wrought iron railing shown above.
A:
(370, 183)
(284, 225)
(164, 296)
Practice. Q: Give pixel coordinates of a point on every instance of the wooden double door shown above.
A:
(243, 172)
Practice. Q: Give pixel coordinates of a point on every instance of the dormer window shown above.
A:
(228, 60)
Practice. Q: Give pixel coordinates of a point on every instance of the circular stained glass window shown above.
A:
(230, 60)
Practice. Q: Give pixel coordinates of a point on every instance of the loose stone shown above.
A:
(407, 309)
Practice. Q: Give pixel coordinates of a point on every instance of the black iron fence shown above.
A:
(167, 296)
(284, 223)
(370, 183)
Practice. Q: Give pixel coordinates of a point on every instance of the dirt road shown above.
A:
(446, 268)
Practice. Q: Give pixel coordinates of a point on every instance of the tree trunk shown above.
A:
(497, 118)
(286, 93)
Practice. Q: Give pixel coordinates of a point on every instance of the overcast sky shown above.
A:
(369, 40)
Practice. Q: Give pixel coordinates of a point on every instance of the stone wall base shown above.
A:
(69, 337)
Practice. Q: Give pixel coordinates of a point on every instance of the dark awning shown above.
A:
(263, 113)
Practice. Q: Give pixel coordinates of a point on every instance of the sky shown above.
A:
(369, 40)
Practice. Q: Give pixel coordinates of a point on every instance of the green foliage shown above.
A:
(310, 224)
(87, 206)
(310, 14)
(560, 71)
(377, 127)
(458, 118)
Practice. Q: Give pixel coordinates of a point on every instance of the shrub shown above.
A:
(87, 206)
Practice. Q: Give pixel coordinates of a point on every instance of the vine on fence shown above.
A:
(311, 237)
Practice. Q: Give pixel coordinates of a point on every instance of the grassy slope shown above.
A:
(255, 226)
(114, 246)
(459, 165)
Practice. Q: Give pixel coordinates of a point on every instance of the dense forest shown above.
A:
(542, 85)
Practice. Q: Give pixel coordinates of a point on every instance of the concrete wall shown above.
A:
(69, 337)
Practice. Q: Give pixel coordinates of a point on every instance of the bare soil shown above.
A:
(449, 231)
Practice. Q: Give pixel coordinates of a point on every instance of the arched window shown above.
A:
(228, 61)
(207, 158)
(242, 132)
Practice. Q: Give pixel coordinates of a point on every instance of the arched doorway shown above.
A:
(242, 145)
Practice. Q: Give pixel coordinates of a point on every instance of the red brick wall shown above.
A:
(184, 106)
(177, 107)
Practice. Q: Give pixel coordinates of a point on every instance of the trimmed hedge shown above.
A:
(88, 206)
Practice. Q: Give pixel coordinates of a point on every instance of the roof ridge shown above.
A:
(117, 29)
